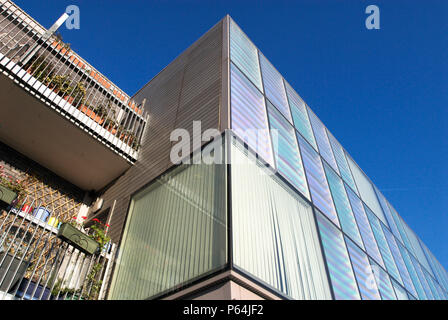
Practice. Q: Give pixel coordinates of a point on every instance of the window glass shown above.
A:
(300, 115)
(382, 244)
(320, 192)
(341, 161)
(342, 204)
(274, 87)
(320, 133)
(249, 116)
(364, 227)
(275, 238)
(387, 213)
(174, 234)
(338, 262)
(407, 282)
(412, 272)
(399, 291)
(245, 55)
(366, 191)
(383, 281)
(286, 150)
(363, 272)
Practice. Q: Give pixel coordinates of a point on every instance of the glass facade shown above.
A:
(368, 249)
(291, 210)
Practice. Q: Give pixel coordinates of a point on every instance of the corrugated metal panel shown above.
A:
(300, 115)
(412, 272)
(274, 87)
(345, 214)
(364, 227)
(338, 261)
(363, 272)
(384, 284)
(317, 181)
(341, 161)
(366, 190)
(406, 279)
(245, 55)
(286, 150)
(188, 89)
(249, 115)
(382, 244)
(320, 133)
(274, 234)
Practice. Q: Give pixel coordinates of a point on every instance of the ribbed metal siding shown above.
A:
(188, 89)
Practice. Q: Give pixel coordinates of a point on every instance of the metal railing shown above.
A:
(35, 264)
(47, 67)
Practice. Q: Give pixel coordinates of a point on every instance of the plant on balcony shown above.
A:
(11, 189)
(40, 68)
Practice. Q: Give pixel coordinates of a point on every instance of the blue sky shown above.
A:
(382, 93)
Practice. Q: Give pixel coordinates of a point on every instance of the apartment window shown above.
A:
(175, 232)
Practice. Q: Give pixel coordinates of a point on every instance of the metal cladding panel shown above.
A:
(188, 89)
(274, 87)
(317, 181)
(245, 55)
(343, 208)
(274, 234)
(363, 272)
(320, 133)
(249, 119)
(338, 261)
(364, 227)
(286, 150)
(300, 115)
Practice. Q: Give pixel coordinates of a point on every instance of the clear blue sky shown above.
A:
(383, 93)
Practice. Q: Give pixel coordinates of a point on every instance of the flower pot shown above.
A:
(13, 273)
(41, 213)
(92, 115)
(7, 195)
(77, 239)
(39, 293)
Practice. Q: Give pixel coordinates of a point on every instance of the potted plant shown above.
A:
(10, 188)
(72, 233)
(14, 266)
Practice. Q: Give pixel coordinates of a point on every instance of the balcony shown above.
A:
(60, 111)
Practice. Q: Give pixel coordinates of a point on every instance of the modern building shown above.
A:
(265, 204)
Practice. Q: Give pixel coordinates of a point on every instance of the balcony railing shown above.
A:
(49, 69)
